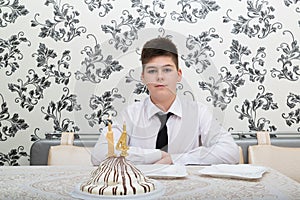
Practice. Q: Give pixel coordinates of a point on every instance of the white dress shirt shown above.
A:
(194, 137)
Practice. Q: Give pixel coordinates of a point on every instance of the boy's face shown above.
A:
(161, 76)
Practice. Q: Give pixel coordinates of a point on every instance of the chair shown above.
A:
(241, 156)
(68, 154)
(283, 159)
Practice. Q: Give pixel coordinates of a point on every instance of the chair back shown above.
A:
(283, 159)
(241, 156)
(68, 154)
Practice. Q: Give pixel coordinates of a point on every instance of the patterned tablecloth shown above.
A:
(56, 182)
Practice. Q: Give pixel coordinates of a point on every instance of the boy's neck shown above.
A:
(163, 104)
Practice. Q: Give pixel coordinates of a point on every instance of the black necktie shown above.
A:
(162, 137)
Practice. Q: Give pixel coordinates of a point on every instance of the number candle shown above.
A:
(122, 143)
(110, 141)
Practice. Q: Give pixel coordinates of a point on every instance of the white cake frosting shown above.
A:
(117, 176)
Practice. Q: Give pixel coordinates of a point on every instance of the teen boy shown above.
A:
(191, 135)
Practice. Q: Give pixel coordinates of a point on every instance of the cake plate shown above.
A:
(158, 192)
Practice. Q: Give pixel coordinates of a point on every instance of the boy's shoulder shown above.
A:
(187, 102)
(137, 104)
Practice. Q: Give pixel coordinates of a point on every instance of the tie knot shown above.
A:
(169, 114)
(164, 117)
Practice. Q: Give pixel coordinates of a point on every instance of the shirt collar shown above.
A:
(152, 109)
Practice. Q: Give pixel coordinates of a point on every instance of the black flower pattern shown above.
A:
(9, 52)
(28, 97)
(225, 88)
(102, 108)
(219, 96)
(67, 103)
(42, 57)
(13, 156)
(257, 23)
(103, 8)
(63, 27)
(10, 11)
(34, 136)
(289, 2)
(192, 10)
(291, 54)
(293, 117)
(125, 32)
(249, 110)
(97, 68)
(145, 12)
(9, 125)
(201, 50)
(237, 51)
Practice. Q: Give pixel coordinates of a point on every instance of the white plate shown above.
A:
(241, 171)
(158, 192)
(163, 171)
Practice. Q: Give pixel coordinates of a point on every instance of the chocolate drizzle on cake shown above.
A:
(117, 176)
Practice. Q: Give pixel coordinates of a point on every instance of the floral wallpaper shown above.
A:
(67, 65)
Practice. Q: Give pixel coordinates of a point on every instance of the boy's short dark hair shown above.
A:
(159, 47)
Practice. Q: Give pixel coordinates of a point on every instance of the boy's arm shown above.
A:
(135, 154)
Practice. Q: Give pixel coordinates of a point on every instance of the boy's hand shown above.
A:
(165, 159)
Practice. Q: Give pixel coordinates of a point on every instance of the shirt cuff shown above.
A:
(179, 159)
(144, 156)
(153, 157)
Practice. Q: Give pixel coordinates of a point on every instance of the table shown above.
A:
(56, 182)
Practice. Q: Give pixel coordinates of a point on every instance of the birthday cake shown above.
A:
(117, 176)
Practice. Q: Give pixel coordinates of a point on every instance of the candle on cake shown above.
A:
(110, 141)
(122, 143)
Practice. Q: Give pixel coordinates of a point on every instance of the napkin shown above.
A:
(241, 171)
(163, 171)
